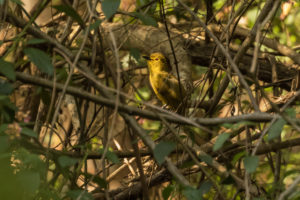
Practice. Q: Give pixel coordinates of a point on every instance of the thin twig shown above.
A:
(289, 189)
(226, 54)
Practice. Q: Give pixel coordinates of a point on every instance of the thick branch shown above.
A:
(148, 39)
(254, 117)
(285, 73)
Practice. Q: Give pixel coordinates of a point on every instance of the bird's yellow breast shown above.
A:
(164, 84)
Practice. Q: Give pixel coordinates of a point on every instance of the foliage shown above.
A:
(79, 119)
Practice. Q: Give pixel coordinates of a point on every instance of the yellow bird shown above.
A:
(164, 84)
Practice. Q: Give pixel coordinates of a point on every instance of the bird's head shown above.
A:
(158, 62)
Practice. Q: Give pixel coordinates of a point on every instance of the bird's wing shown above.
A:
(168, 90)
(173, 85)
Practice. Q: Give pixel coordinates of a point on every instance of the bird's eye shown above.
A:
(156, 58)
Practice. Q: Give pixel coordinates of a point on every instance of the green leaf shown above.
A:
(29, 132)
(68, 10)
(294, 195)
(79, 194)
(19, 2)
(200, 70)
(30, 181)
(30, 160)
(237, 156)
(228, 181)
(110, 7)
(220, 141)
(4, 143)
(100, 181)
(291, 112)
(205, 187)
(207, 159)
(227, 125)
(45, 96)
(236, 125)
(111, 156)
(40, 59)
(146, 19)
(167, 191)
(36, 41)
(143, 94)
(66, 161)
(162, 150)
(7, 109)
(3, 127)
(6, 88)
(134, 52)
(7, 69)
(192, 193)
(251, 163)
(95, 25)
(61, 75)
(291, 172)
(276, 129)
(4, 98)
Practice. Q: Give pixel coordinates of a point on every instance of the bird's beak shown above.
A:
(146, 57)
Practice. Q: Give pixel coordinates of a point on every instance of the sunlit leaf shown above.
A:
(143, 94)
(291, 172)
(227, 125)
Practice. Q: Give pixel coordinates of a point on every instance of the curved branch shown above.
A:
(131, 110)
(148, 39)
